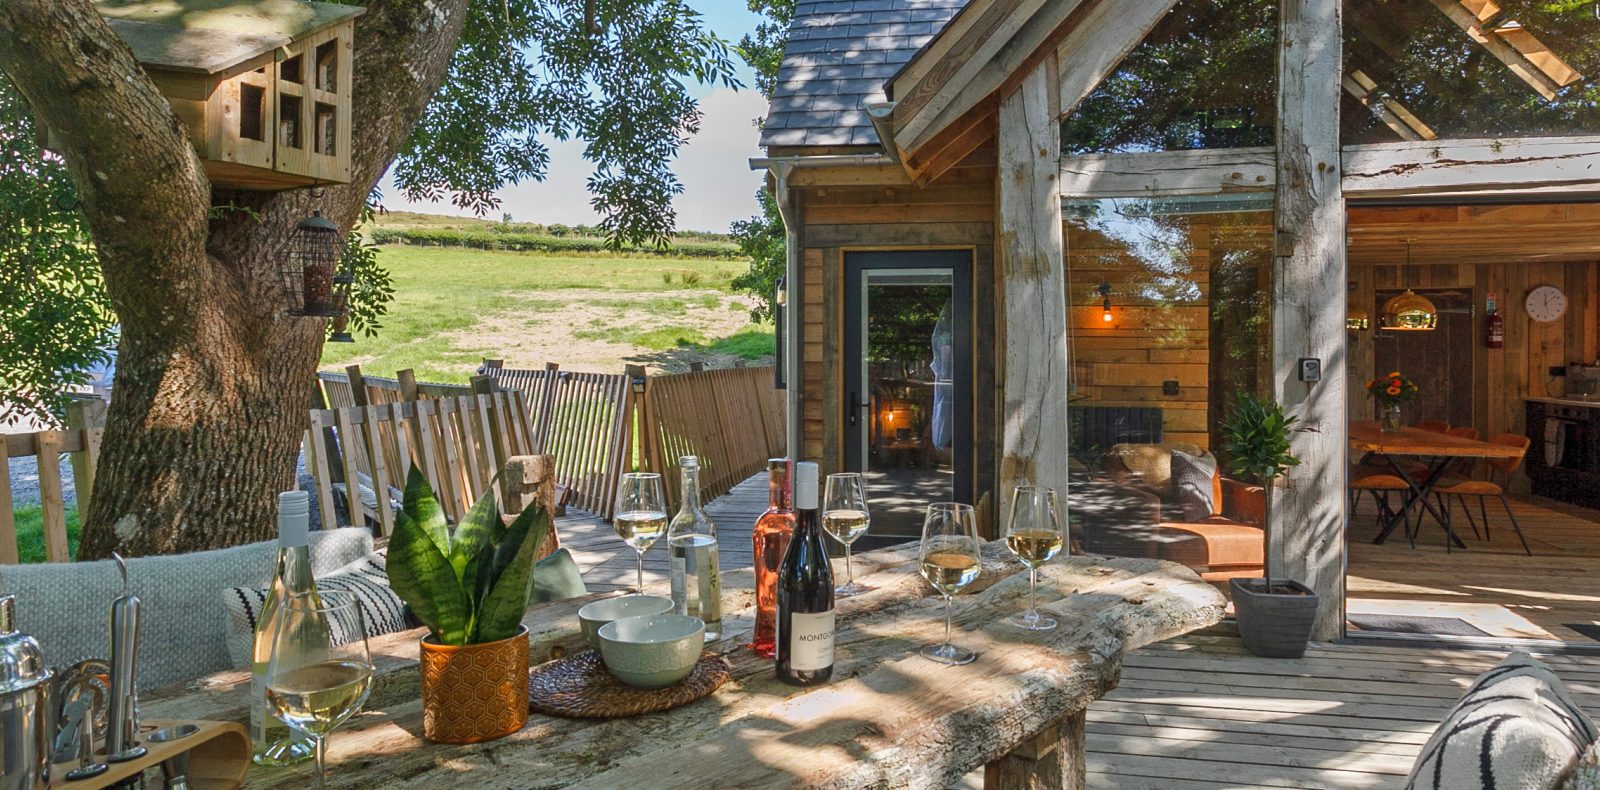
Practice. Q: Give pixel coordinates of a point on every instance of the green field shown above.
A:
(453, 307)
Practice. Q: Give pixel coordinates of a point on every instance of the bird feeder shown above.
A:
(316, 284)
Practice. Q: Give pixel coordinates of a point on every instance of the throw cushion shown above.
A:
(1516, 727)
(381, 609)
(1194, 485)
(64, 604)
(557, 578)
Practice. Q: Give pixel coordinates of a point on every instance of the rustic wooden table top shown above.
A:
(887, 718)
(1368, 438)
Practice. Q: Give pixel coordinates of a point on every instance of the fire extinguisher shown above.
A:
(1496, 325)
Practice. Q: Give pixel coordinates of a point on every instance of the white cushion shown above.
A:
(66, 605)
(381, 609)
(1516, 728)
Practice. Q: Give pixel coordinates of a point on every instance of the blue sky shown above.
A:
(718, 185)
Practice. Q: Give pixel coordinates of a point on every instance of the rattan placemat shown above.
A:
(579, 687)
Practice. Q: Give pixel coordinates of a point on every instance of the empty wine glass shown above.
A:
(641, 514)
(845, 517)
(949, 560)
(320, 672)
(1034, 535)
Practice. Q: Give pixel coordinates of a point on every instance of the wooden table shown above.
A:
(1439, 451)
(888, 718)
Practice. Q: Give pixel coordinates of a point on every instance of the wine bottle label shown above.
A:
(811, 641)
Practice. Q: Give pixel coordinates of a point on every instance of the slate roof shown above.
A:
(838, 56)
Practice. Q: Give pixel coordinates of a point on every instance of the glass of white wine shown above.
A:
(320, 672)
(845, 518)
(949, 561)
(1034, 535)
(641, 514)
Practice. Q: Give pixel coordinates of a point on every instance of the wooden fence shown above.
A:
(600, 425)
(80, 439)
(336, 391)
(365, 452)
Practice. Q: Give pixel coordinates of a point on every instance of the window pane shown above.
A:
(1168, 323)
(1205, 77)
(1469, 68)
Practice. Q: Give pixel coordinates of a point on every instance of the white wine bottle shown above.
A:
(805, 592)
(276, 744)
(692, 551)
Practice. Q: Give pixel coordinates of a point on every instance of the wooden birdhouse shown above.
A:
(262, 85)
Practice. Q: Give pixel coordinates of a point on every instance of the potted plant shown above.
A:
(1391, 391)
(1275, 615)
(470, 586)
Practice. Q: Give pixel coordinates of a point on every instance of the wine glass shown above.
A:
(1034, 535)
(320, 672)
(949, 560)
(641, 511)
(845, 517)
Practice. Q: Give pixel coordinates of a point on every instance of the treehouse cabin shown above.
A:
(1057, 241)
(263, 86)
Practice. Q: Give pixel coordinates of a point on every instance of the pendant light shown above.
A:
(1408, 311)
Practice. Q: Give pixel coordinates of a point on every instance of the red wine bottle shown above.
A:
(805, 592)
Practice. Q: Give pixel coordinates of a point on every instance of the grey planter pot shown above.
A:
(1274, 625)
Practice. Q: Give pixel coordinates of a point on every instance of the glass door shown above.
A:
(907, 393)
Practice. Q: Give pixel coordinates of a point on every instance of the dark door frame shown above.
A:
(960, 263)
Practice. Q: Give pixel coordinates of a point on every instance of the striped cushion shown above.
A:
(1516, 728)
(366, 579)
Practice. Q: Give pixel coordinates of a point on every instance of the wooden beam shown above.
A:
(989, 59)
(1097, 44)
(1032, 285)
(1393, 169)
(1169, 173)
(1520, 65)
(1307, 519)
(952, 148)
(1394, 115)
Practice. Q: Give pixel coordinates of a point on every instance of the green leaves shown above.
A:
(471, 585)
(1256, 439)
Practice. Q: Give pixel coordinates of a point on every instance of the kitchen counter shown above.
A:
(1592, 403)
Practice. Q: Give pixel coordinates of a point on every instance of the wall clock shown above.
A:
(1546, 303)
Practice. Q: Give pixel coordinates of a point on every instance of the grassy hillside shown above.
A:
(433, 230)
(453, 307)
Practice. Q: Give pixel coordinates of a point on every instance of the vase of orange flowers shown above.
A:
(1390, 391)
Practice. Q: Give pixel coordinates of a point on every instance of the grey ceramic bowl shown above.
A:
(653, 651)
(596, 614)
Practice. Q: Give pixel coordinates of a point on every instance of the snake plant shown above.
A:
(471, 584)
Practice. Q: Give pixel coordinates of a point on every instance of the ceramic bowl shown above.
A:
(653, 651)
(599, 613)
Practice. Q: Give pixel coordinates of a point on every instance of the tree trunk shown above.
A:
(213, 377)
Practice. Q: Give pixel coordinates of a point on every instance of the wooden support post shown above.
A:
(1308, 308)
(358, 385)
(408, 384)
(52, 509)
(1032, 286)
(8, 518)
(648, 441)
(1050, 760)
(89, 417)
(530, 481)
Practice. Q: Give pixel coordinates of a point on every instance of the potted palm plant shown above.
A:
(470, 586)
(1275, 616)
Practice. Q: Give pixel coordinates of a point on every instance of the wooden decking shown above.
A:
(1491, 586)
(1200, 712)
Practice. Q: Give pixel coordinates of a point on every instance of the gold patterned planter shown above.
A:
(474, 693)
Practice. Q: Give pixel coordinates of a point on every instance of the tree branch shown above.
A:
(143, 189)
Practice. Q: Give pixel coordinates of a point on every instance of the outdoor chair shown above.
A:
(1380, 484)
(1492, 487)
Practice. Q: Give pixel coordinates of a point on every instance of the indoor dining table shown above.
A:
(888, 717)
(1437, 451)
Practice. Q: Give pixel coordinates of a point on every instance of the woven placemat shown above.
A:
(579, 687)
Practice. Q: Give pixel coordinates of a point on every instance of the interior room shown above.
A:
(1505, 354)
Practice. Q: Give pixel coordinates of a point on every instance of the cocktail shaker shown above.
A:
(26, 719)
(122, 727)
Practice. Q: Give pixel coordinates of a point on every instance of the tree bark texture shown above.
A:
(213, 378)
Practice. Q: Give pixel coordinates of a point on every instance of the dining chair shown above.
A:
(1461, 467)
(1492, 487)
(1380, 485)
(1437, 426)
